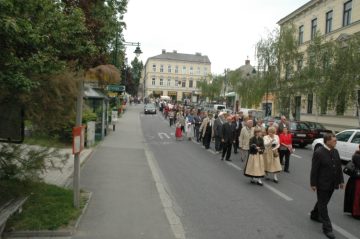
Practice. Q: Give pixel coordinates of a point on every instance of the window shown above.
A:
(205, 71)
(161, 68)
(176, 69)
(153, 81)
(176, 81)
(299, 64)
(184, 70)
(191, 70)
(329, 17)
(191, 83)
(198, 70)
(169, 68)
(313, 28)
(301, 34)
(183, 83)
(169, 82)
(356, 138)
(344, 136)
(154, 68)
(310, 103)
(161, 81)
(347, 13)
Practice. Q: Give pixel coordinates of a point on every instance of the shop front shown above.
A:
(173, 95)
(157, 93)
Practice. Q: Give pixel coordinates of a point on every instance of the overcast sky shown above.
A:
(225, 30)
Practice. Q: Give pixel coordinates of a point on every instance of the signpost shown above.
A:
(116, 88)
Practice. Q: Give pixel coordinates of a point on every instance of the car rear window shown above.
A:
(298, 126)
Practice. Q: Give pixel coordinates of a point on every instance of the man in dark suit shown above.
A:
(218, 123)
(227, 138)
(326, 175)
(238, 126)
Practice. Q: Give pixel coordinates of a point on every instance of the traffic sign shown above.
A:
(116, 88)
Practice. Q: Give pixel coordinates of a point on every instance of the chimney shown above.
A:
(163, 51)
(247, 62)
(198, 53)
(174, 51)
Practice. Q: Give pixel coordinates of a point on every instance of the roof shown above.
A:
(297, 11)
(182, 57)
(93, 93)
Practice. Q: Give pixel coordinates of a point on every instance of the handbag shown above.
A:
(275, 153)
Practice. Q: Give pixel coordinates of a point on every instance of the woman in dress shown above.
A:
(206, 129)
(352, 190)
(285, 148)
(271, 153)
(255, 164)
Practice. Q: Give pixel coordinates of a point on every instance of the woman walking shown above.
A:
(271, 153)
(285, 148)
(206, 129)
(352, 190)
(255, 164)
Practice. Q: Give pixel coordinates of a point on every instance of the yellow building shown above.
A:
(334, 20)
(175, 74)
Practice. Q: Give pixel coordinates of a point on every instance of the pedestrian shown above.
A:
(197, 124)
(285, 148)
(178, 131)
(352, 190)
(326, 175)
(171, 117)
(189, 123)
(227, 138)
(254, 167)
(283, 124)
(206, 129)
(182, 121)
(218, 123)
(271, 154)
(245, 135)
(261, 126)
(238, 127)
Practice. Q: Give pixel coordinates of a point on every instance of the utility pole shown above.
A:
(76, 182)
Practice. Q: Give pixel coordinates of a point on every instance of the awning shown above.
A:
(92, 93)
(230, 94)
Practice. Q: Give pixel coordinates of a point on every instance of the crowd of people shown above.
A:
(266, 151)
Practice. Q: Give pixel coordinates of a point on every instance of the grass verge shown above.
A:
(48, 208)
(46, 142)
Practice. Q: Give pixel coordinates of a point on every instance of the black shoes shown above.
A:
(222, 159)
(287, 171)
(330, 235)
(229, 160)
(315, 218)
(259, 183)
(276, 181)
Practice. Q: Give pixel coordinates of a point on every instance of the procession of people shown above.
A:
(266, 152)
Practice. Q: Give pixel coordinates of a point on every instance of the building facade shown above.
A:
(175, 74)
(334, 20)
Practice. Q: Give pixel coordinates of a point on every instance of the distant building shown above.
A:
(175, 74)
(335, 20)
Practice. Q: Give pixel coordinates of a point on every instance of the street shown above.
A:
(215, 200)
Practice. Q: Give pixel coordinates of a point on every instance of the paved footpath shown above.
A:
(126, 201)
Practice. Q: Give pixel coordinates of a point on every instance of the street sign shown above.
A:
(78, 139)
(116, 88)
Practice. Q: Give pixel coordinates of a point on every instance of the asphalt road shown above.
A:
(215, 200)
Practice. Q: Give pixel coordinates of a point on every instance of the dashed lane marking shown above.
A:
(211, 151)
(280, 194)
(234, 166)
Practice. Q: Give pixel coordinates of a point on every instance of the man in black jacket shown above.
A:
(326, 175)
(227, 138)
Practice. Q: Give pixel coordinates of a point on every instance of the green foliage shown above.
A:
(88, 115)
(211, 89)
(136, 68)
(27, 163)
(48, 208)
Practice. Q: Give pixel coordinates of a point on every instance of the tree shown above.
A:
(136, 69)
(212, 88)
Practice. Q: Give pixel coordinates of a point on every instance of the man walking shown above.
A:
(218, 123)
(245, 135)
(283, 124)
(326, 175)
(238, 125)
(227, 138)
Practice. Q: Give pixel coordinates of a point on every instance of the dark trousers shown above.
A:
(207, 140)
(226, 150)
(286, 154)
(218, 144)
(320, 210)
(171, 121)
(236, 144)
(196, 133)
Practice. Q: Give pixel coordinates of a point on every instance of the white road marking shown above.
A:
(296, 156)
(274, 190)
(163, 134)
(211, 151)
(195, 142)
(342, 231)
(234, 166)
(173, 134)
(167, 203)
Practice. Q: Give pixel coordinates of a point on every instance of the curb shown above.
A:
(60, 233)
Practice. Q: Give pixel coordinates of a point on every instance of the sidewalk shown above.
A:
(125, 201)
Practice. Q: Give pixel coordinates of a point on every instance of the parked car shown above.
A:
(347, 143)
(149, 109)
(302, 135)
(318, 129)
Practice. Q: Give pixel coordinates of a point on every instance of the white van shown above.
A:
(219, 107)
(258, 114)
